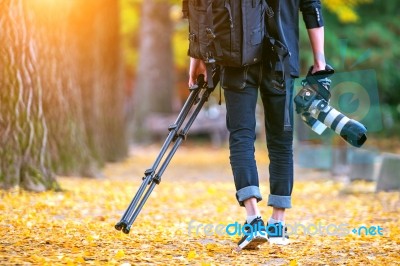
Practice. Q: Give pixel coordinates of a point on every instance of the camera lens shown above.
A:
(350, 130)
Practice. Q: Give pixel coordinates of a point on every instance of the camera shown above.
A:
(316, 112)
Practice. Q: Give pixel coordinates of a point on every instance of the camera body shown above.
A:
(316, 112)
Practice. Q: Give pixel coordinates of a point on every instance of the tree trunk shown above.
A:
(113, 109)
(23, 129)
(154, 89)
(61, 97)
(95, 31)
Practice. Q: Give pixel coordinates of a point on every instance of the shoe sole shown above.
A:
(278, 240)
(253, 243)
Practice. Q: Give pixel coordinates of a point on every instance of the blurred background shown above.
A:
(83, 81)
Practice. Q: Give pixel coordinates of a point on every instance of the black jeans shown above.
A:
(241, 86)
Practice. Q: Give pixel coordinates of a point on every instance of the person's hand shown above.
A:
(197, 67)
(316, 86)
(318, 79)
(318, 67)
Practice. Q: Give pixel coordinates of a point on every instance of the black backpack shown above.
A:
(226, 32)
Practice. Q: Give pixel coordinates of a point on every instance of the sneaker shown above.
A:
(255, 234)
(277, 234)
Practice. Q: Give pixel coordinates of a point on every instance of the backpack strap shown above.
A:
(270, 15)
(279, 47)
(210, 60)
(211, 35)
(276, 36)
(209, 69)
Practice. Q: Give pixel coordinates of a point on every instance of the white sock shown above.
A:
(273, 221)
(250, 218)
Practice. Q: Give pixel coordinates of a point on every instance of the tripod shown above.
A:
(199, 94)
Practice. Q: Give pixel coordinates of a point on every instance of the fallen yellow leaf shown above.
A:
(192, 254)
(119, 254)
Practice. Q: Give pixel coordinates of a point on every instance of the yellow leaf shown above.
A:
(293, 263)
(36, 258)
(120, 254)
(211, 246)
(192, 254)
(80, 259)
(212, 190)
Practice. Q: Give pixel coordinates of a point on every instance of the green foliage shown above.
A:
(344, 10)
(370, 42)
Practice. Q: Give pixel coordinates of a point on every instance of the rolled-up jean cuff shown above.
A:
(284, 202)
(247, 193)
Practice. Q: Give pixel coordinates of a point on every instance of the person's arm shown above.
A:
(197, 67)
(312, 16)
(316, 36)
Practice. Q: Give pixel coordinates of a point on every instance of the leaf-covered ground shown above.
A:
(76, 227)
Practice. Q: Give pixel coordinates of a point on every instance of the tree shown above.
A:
(154, 88)
(23, 128)
(94, 29)
(61, 99)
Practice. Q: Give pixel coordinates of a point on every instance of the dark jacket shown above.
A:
(289, 15)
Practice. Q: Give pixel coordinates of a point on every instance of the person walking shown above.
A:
(242, 86)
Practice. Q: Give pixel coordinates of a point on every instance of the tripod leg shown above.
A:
(139, 208)
(177, 125)
(124, 223)
(182, 136)
(156, 179)
(125, 218)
